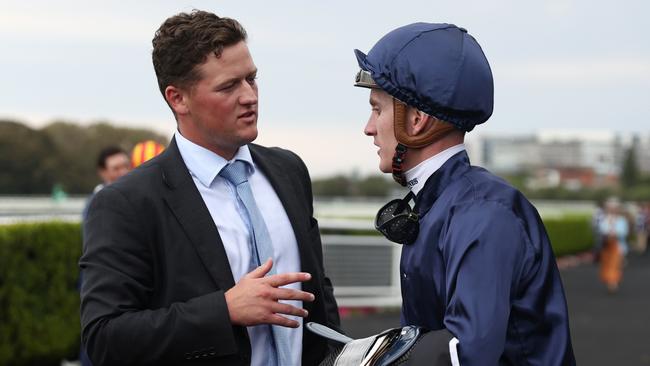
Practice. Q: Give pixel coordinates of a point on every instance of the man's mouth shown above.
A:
(247, 114)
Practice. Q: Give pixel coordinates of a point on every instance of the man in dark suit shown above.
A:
(209, 253)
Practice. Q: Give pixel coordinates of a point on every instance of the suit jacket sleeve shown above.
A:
(331, 308)
(118, 325)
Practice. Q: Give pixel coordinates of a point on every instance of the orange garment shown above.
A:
(611, 262)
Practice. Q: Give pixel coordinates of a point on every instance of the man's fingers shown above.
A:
(261, 271)
(282, 279)
(276, 319)
(290, 294)
(281, 308)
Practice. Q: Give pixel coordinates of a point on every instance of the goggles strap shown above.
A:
(404, 202)
(398, 160)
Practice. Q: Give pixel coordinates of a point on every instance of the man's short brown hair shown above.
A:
(185, 40)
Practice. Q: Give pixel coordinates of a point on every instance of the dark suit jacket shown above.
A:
(155, 269)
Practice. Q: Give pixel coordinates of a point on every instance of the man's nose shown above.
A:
(370, 129)
(249, 94)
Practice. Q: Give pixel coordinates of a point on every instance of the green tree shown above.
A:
(375, 186)
(27, 164)
(331, 187)
(630, 171)
(344, 186)
(77, 148)
(32, 161)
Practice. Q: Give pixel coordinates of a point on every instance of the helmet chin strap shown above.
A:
(398, 159)
(404, 140)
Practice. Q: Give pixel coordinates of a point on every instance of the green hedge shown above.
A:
(568, 234)
(39, 301)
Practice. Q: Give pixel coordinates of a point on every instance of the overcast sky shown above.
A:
(557, 64)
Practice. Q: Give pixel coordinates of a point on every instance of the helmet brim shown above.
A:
(362, 59)
(364, 76)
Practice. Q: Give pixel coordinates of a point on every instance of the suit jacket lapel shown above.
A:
(285, 187)
(186, 203)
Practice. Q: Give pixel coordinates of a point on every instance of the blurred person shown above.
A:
(614, 231)
(477, 266)
(596, 219)
(643, 227)
(627, 211)
(207, 254)
(112, 164)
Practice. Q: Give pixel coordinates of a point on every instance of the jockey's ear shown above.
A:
(418, 122)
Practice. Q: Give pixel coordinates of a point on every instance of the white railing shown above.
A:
(364, 269)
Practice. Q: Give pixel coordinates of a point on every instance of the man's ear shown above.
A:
(418, 122)
(176, 99)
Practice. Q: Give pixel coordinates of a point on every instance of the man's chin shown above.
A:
(249, 137)
(385, 169)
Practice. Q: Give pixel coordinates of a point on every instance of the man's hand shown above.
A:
(254, 300)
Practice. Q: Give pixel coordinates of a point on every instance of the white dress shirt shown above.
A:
(220, 197)
(418, 175)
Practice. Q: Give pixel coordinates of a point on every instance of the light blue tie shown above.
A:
(262, 248)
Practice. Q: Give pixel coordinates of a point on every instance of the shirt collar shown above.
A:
(204, 164)
(418, 175)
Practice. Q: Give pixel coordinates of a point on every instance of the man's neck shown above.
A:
(416, 156)
(198, 139)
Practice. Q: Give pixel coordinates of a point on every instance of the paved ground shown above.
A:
(606, 329)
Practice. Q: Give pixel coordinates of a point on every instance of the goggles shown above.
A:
(364, 80)
(398, 222)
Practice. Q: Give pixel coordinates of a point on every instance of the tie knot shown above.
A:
(235, 172)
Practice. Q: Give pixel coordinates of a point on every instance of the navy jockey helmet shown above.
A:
(437, 68)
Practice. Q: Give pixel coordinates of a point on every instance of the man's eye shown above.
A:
(251, 79)
(226, 87)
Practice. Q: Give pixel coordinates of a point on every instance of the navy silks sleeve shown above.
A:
(484, 250)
